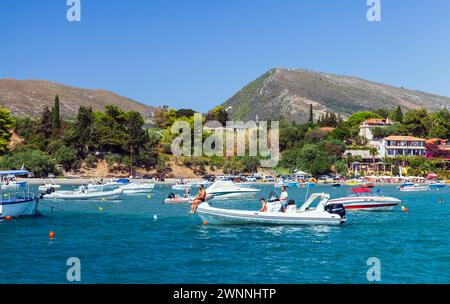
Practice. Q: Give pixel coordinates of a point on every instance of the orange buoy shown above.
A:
(8, 218)
(51, 234)
(205, 223)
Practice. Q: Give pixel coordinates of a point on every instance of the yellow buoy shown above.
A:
(100, 208)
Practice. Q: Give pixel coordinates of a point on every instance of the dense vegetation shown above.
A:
(52, 144)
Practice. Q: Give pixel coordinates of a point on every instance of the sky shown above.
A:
(198, 53)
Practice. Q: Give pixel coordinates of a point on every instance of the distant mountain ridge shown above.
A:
(289, 93)
(29, 97)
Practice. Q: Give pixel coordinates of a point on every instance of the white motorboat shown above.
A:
(176, 199)
(322, 214)
(229, 190)
(364, 199)
(83, 195)
(49, 186)
(137, 188)
(181, 187)
(16, 199)
(410, 187)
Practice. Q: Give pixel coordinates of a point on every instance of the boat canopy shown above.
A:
(361, 190)
(14, 172)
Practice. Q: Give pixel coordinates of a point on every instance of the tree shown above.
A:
(185, 113)
(382, 112)
(45, 126)
(357, 118)
(136, 135)
(82, 132)
(6, 127)
(397, 115)
(56, 119)
(218, 114)
(417, 122)
(311, 114)
(373, 152)
(440, 124)
(67, 158)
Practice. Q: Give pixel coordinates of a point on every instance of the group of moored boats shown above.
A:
(16, 199)
(326, 212)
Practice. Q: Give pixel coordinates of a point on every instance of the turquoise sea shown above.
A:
(125, 244)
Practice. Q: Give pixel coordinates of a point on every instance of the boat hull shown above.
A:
(370, 203)
(218, 216)
(183, 200)
(84, 196)
(234, 195)
(19, 208)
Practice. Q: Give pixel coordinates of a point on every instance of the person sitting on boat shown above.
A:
(200, 198)
(283, 199)
(263, 205)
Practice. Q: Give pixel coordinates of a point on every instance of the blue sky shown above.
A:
(198, 53)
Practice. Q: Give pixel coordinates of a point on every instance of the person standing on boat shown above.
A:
(200, 198)
(283, 198)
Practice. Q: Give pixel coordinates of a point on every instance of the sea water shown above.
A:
(124, 242)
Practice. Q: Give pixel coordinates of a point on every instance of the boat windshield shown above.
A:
(273, 197)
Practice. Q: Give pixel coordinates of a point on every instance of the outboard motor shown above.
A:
(338, 209)
(171, 195)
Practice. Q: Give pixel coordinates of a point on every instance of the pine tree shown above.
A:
(56, 120)
(311, 114)
(45, 126)
(397, 115)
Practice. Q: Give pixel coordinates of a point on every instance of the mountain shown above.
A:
(29, 97)
(289, 93)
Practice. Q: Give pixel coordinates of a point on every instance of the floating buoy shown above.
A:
(51, 234)
(149, 196)
(205, 223)
(441, 200)
(405, 209)
(155, 217)
(8, 218)
(100, 209)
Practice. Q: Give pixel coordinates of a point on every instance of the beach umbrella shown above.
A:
(432, 175)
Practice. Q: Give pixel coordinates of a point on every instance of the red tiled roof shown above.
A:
(404, 138)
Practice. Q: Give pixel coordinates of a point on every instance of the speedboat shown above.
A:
(228, 190)
(181, 187)
(176, 199)
(136, 188)
(17, 202)
(411, 187)
(82, 195)
(367, 185)
(322, 214)
(437, 185)
(364, 199)
(48, 186)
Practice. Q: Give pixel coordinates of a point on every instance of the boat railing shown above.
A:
(16, 194)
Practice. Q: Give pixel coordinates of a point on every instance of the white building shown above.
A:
(393, 146)
(366, 127)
